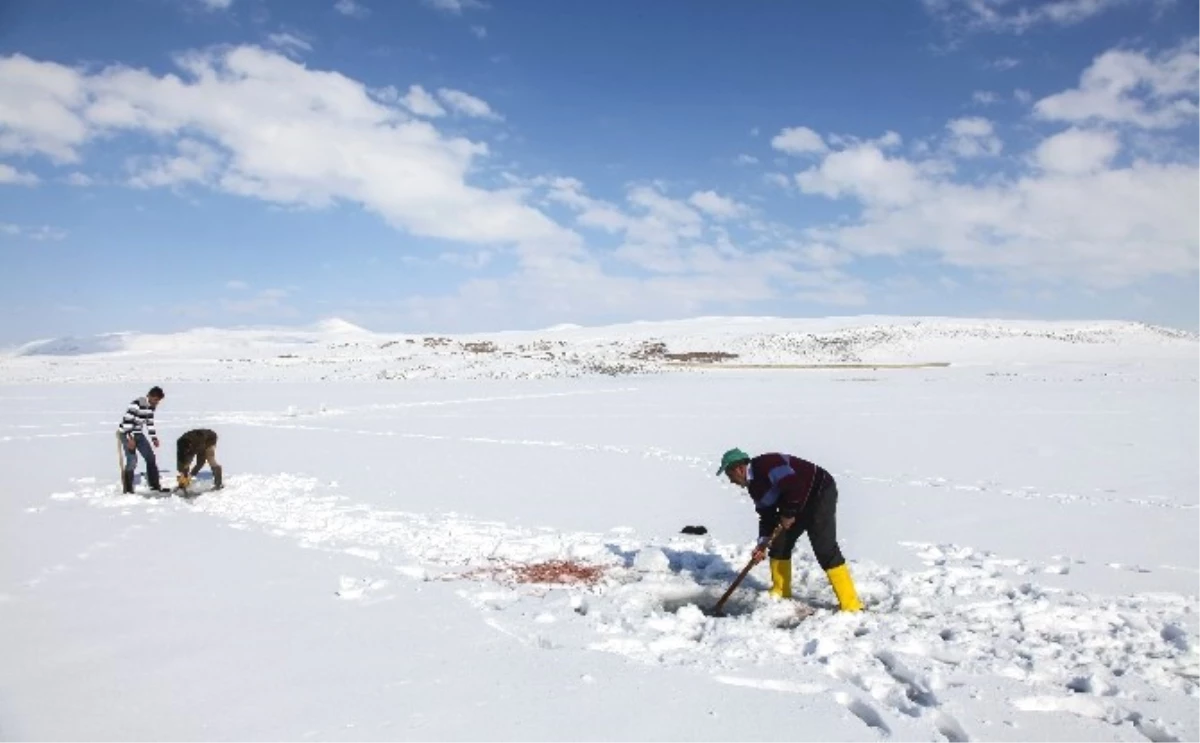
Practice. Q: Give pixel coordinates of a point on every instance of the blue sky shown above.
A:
(450, 165)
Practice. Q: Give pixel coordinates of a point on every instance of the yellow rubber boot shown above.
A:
(843, 586)
(781, 579)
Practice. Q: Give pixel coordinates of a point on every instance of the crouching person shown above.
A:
(199, 444)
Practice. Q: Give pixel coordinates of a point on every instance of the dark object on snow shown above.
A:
(693, 530)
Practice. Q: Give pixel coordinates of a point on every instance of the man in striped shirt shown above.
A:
(796, 496)
(136, 435)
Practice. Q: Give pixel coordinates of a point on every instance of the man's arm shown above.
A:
(130, 423)
(200, 460)
(768, 520)
(148, 415)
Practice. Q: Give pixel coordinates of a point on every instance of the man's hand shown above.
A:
(129, 443)
(155, 440)
(787, 521)
(759, 554)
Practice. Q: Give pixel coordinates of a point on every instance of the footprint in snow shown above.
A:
(863, 711)
(917, 687)
(1130, 568)
(950, 728)
(1093, 708)
(361, 589)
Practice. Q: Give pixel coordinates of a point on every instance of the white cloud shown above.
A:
(80, 179)
(866, 173)
(216, 4)
(1022, 96)
(1126, 87)
(351, 8)
(195, 162)
(1007, 16)
(455, 7)
(12, 176)
(972, 136)
(254, 123)
(236, 285)
(1072, 217)
(479, 31)
(665, 221)
(422, 103)
(1004, 63)
(798, 140)
(985, 97)
(778, 179)
(715, 205)
(40, 233)
(1077, 151)
(696, 261)
(744, 159)
(467, 104)
(39, 104)
(287, 42)
(889, 140)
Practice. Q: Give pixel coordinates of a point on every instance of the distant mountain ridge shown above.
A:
(337, 349)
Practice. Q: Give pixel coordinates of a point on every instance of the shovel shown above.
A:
(716, 610)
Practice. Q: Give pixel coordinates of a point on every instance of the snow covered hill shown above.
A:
(338, 350)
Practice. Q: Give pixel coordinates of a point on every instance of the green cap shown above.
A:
(732, 457)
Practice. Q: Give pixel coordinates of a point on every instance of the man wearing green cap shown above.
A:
(799, 496)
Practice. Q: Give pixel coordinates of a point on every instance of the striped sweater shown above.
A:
(139, 418)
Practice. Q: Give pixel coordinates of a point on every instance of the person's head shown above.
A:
(155, 396)
(734, 464)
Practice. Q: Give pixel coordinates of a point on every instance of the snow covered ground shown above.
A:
(1022, 524)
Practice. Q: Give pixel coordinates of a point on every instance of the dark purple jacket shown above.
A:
(780, 485)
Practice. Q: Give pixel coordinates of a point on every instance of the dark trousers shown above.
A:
(819, 519)
(147, 451)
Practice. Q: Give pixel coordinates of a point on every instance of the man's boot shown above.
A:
(153, 478)
(127, 481)
(217, 485)
(843, 587)
(781, 578)
(156, 485)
